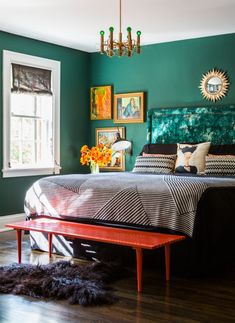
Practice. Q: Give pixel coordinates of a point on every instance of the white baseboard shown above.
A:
(10, 219)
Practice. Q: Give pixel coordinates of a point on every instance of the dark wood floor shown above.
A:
(182, 300)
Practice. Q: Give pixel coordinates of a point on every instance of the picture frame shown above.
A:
(101, 102)
(107, 136)
(129, 107)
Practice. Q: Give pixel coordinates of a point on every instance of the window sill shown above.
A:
(20, 172)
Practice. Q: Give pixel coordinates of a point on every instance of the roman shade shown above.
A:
(28, 79)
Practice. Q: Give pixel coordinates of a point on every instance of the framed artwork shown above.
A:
(129, 107)
(101, 102)
(107, 136)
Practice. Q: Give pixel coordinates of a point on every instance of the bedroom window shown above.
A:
(31, 96)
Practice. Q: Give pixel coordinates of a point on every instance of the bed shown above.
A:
(201, 207)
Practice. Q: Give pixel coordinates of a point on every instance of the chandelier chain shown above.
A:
(120, 15)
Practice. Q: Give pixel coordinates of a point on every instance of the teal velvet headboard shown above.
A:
(192, 124)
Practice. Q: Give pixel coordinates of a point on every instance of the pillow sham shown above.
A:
(166, 149)
(153, 155)
(219, 156)
(155, 164)
(228, 149)
(191, 158)
(220, 165)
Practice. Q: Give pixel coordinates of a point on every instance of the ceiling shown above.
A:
(77, 23)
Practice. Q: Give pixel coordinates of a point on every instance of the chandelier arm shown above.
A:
(138, 44)
(111, 42)
(120, 44)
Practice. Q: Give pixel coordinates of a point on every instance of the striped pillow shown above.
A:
(155, 164)
(220, 165)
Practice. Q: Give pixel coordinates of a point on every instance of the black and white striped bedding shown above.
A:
(163, 201)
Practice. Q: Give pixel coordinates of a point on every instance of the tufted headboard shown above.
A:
(192, 124)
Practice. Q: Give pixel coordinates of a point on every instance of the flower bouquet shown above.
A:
(96, 156)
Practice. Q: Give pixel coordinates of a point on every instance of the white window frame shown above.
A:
(17, 58)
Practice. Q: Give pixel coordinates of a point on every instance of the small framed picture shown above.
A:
(107, 136)
(129, 107)
(101, 102)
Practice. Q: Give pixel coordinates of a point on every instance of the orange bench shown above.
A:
(138, 240)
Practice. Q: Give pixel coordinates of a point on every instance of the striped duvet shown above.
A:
(163, 201)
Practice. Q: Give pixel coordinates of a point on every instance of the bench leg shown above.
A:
(167, 261)
(139, 264)
(19, 240)
(50, 244)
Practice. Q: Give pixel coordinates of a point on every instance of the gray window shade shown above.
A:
(30, 80)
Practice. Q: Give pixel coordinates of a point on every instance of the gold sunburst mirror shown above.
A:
(214, 85)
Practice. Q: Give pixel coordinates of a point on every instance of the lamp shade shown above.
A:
(121, 144)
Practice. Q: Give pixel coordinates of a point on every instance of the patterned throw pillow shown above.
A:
(191, 158)
(220, 165)
(152, 155)
(155, 164)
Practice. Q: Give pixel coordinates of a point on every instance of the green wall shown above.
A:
(74, 114)
(168, 73)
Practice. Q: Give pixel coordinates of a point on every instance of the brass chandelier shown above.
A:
(119, 47)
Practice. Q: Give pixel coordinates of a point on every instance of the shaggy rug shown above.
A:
(79, 284)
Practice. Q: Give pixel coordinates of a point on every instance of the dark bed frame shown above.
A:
(213, 241)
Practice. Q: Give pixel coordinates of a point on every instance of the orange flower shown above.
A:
(84, 148)
(100, 154)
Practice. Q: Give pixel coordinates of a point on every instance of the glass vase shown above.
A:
(94, 168)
